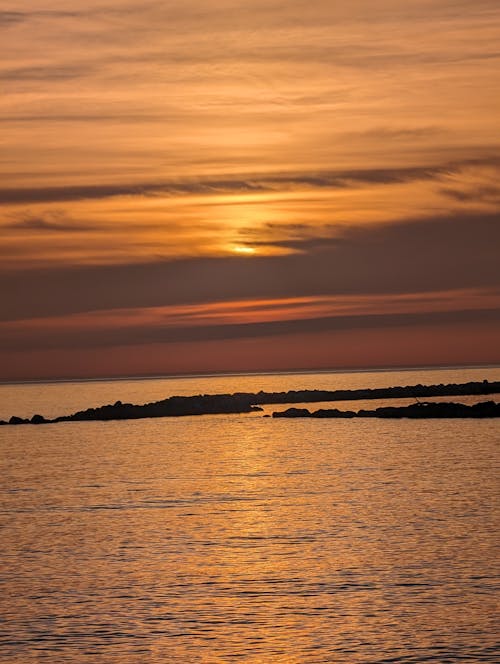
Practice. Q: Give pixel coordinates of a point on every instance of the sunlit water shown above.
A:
(238, 538)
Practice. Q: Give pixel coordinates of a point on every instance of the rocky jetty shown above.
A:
(246, 402)
(173, 407)
(430, 410)
(409, 391)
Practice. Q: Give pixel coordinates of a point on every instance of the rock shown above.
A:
(293, 412)
(427, 410)
(334, 412)
(17, 420)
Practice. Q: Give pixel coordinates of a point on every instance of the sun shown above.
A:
(247, 251)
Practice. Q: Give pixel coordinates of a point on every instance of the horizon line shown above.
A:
(223, 374)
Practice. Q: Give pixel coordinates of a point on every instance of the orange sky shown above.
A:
(245, 185)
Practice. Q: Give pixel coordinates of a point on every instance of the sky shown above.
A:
(248, 185)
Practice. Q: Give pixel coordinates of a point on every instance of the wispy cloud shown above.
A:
(53, 221)
(8, 18)
(249, 318)
(44, 73)
(275, 182)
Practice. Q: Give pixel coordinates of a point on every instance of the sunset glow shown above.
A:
(350, 149)
(248, 251)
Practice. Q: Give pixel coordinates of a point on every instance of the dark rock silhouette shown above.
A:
(414, 411)
(173, 407)
(246, 402)
(17, 420)
(323, 412)
(409, 391)
(38, 419)
(293, 412)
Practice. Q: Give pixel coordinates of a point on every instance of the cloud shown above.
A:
(250, 319)
(411, 256)
(147, 334)
(55, 117)
(52, 221)
(478, 194)
(47, 72)
(8, 18)
(279, 182)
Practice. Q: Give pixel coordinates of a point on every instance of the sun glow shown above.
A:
(246, 251)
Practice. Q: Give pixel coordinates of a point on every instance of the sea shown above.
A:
(241, 538)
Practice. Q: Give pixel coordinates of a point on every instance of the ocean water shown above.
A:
(238, 538)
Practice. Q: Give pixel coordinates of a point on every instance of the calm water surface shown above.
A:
(245, 539)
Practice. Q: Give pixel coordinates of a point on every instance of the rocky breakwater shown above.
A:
(407, 391)
(246, 402)
(432, 410)
(205, 404)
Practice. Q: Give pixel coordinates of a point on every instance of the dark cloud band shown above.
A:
(443, 253)
(256, 183)
(146, 334)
